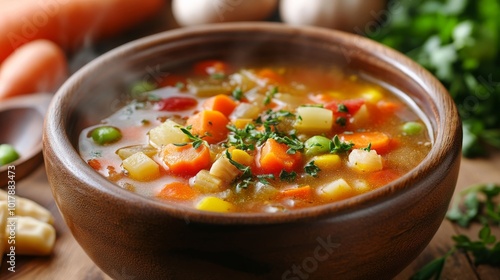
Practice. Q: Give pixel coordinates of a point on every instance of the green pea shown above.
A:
(7, 154)
(317, 145)
(412, 128)
(106, 134)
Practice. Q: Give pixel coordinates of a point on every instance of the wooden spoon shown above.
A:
(21, 123)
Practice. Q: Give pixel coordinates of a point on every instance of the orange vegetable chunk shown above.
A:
(270, 75)
(186, 160)
(178, 191)
(379, 141)
(304, 193)
(274, 158)
(221, 103)
(209, 124)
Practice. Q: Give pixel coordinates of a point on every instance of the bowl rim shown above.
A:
(56, 139)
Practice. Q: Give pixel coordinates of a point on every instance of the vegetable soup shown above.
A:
(265, 138)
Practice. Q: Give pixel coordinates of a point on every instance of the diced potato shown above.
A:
(372, 95)
(167, 133)
(241, 157)
(208, 88)
(327, 162)
(364, 161)
(214, 204)
(141, 167)
(314, 119)
(336, 190)
(224, 170)
(125, 152)
(245, 111)
(206, 182)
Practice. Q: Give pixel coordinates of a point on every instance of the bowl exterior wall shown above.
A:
(361, 238)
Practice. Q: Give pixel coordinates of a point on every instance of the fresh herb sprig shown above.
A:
(196, 140)
(458, 42)
(338, 147)
(467, 208)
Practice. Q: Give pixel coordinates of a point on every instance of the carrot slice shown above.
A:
(186, 160)
(379, 141)
(221, 103)
(177, 191)
(209, 124)
(383, 177)
(303, 193)
(274, 158)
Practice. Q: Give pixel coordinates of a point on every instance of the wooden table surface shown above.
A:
(69, 261)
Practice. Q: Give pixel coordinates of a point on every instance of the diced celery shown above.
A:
(206, 182)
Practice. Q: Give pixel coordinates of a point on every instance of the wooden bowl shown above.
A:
(374, 235)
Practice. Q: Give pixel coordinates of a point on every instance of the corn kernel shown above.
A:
(327, 162)
(214, 204)
(241, 123)
(372, 95)
(241, 157)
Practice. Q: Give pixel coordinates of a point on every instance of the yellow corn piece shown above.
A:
(327, 162)
(372, 95)
(214, 204)
(241, 123)
(141, 167)
(241, 157)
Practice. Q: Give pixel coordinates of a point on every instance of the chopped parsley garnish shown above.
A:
(197, 141)
(342, 109)
(341, 121)
(288, 176)
(368, 148)
(485, 250)
(237, 94)
(337, 146)
(270, 95)
(312, 169)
